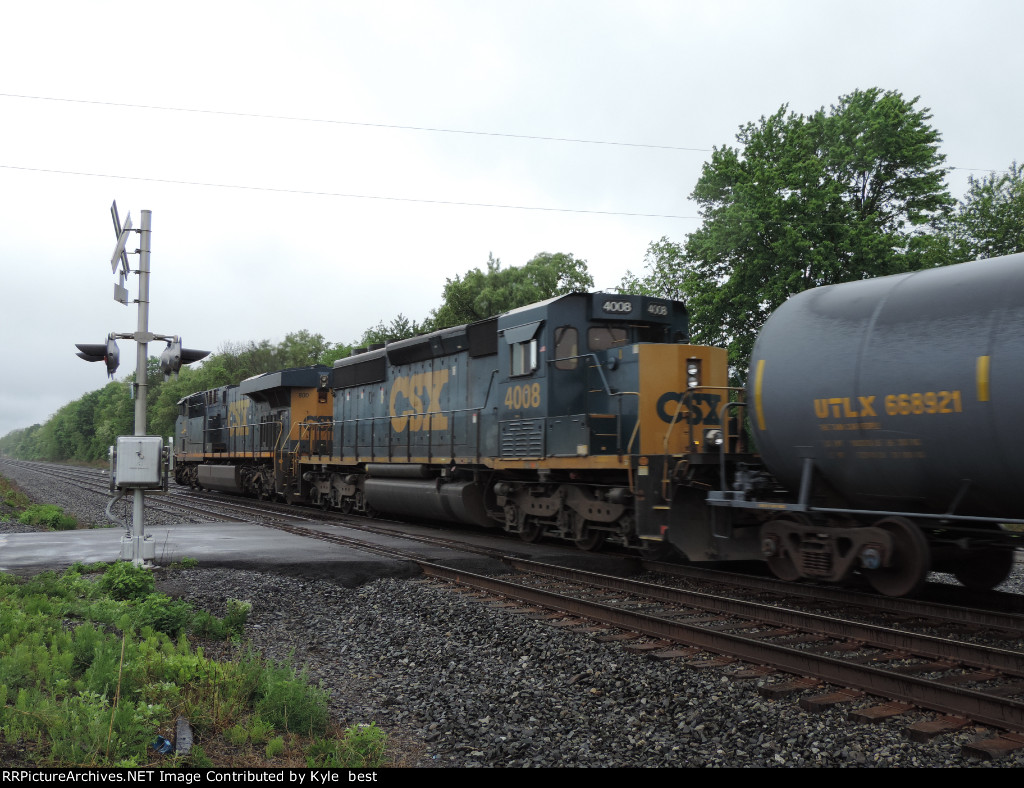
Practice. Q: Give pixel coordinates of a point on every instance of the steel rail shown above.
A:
(984, 708)
(930, 646)
(975, 617)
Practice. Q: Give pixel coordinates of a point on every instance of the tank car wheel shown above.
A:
(781, 563)
(910, 562)
(346, 505)
(985, 569)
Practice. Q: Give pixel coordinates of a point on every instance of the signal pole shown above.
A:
(141, 381)
(140, 458)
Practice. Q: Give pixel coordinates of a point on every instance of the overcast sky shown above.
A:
(326, 165)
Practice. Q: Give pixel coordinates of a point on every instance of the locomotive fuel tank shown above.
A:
(904, 390)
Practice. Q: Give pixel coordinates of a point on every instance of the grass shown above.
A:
(12, 500)
(16, 505)
(94, 665)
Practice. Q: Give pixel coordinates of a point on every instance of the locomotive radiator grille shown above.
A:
(522, 438)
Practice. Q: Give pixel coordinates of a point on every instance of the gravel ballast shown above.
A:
(459, 684)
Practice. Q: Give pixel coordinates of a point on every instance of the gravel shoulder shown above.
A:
(456, 683)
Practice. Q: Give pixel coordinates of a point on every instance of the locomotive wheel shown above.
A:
(531, 532)
(910, 563)
(985, 569)
(591, 540)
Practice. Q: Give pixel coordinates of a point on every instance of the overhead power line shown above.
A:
(315, 193)
(366, 124)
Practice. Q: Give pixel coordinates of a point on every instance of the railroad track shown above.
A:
(905, 670)
(921, 656)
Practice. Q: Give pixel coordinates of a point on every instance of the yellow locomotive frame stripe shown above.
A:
(982, 374)
(758, 382)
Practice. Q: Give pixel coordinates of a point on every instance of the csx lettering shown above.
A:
(927, 402)
(657, 309)
(408, 408)
(625, 307)
(238, 415)
(842, 407)
(697, 408)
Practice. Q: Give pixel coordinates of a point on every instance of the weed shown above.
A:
(197, 758)
(12, 496)
(237, 615)
(164, 614)
(236, 735)
(275, 747)
(125, 580)
(287, 700)
(90, 680)
(259, 730)
(51, 516)
(361, 747)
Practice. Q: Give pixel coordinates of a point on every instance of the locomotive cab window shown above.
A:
(524, 357)
(605, 337)
(652, 333)
(567, 347)
(522, 346)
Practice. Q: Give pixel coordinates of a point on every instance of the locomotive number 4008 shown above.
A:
(525, 396)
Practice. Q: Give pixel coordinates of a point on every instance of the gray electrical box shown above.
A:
(139, 461)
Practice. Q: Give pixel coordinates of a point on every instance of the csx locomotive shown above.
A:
(884, 411)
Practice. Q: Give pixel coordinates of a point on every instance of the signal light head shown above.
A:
(175, 355)
(109, 353)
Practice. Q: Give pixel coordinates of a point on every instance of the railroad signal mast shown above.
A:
(140, 461)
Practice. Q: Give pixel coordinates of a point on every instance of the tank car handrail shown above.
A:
(725, 436)
(966, 518)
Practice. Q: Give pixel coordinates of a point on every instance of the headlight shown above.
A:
(693, 373)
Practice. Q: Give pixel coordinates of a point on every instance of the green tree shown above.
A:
(400, 327)
(83, 429)
(301, 349)
(478, 294)
(851, 192)
(989, 221)
(664, 262)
